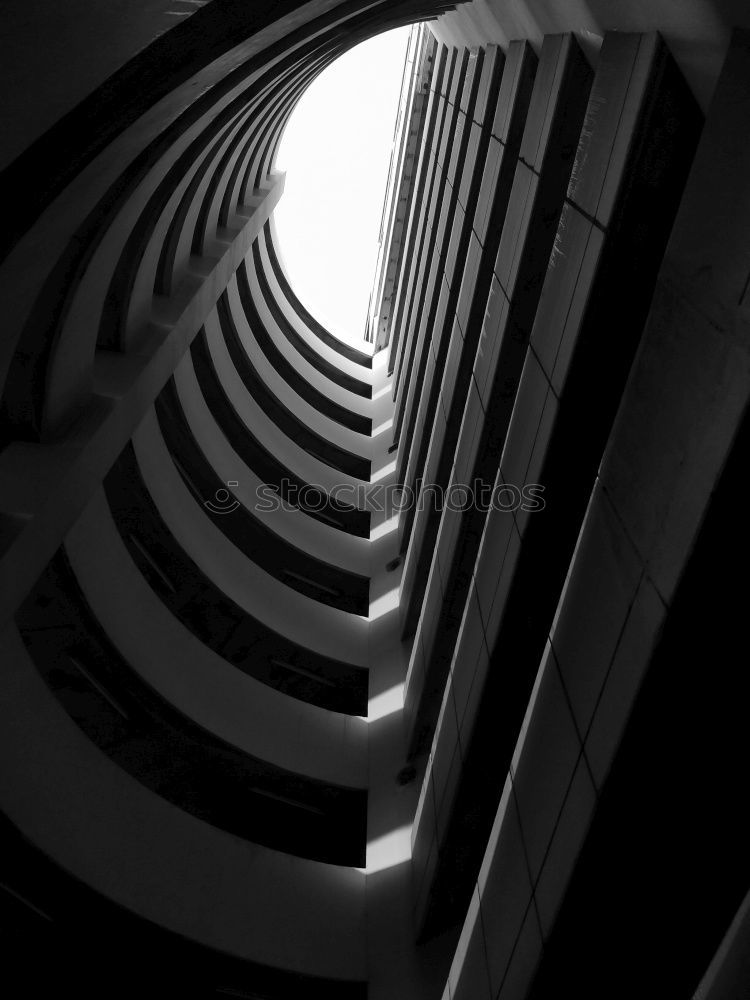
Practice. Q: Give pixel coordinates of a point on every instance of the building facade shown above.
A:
(412, 670)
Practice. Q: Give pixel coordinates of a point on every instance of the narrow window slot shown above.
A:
(25, 902)
(322, 517)
(98, 687)
(312, 583)
(188, 479)
(150, 560)
(286, 801)
(301, 670)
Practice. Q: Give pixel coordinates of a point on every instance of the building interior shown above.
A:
(412, 670)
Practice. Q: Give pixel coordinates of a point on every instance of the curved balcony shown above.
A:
(166, 751)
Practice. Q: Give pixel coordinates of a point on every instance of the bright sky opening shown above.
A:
(336, 151)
